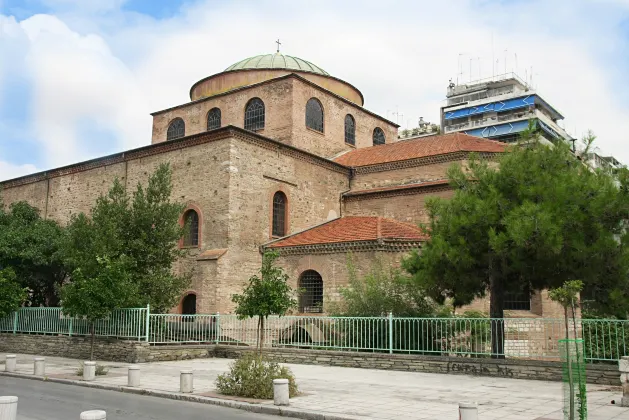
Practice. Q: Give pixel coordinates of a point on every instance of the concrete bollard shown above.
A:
(185, 381)
(623, 367)
(94, 415)
(89, 371)
(10, 363)
(39, 368)
(8, 408)
(134, 376)
(468, 411)
(281, 395)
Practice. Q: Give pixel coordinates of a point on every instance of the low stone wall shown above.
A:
(73, 347)
(134, 352)
(510, 368)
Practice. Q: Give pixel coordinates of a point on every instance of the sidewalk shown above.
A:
(370, 394)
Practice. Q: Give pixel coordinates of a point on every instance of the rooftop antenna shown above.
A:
(505, 61)
(460, 68)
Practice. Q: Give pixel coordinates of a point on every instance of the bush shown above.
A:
(100, 370)
(252, 376)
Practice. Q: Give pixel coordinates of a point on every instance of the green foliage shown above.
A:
(568, 294)
(266, 294)
(32, 246)
(12, 295)
(542, 219)
(252, 376)
(381, 290)
(100, 370)
(142, 232)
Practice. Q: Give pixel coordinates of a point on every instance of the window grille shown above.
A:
(176, 129)
(378, 136)
(214, 119)
(254, 115)
(350, 130)
(518, 300)
(191, 236)
(311, 292)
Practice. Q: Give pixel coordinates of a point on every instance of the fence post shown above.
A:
(70, 329)
(148, 316)
(140, 324)
(390, 332)
(15, 322)
(217, 327)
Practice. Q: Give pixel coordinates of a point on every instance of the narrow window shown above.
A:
(314, 114)
(378, 136)
(189, 307)
(254, 115)
(311, 292)
(279, 214)
(191, 223)
(214, 119)
(176, 129)
(350, 130)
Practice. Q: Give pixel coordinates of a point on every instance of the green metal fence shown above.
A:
(122, 323)
(527, 338)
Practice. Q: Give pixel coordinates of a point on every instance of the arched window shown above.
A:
(314, 114)
(350, 130)
(214, 119)
(189, 306)
(279, 214)
(311, 292)
(254, 115)
(176, 129)
(378, 136)
(191, 224)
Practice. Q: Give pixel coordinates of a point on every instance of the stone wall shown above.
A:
(134, 352)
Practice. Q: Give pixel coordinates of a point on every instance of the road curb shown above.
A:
(254, 408)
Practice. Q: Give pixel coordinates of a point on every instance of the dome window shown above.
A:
(314, 115)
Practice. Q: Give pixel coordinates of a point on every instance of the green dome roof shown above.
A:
(276, 61)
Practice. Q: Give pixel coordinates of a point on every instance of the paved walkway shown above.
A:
(373, 394)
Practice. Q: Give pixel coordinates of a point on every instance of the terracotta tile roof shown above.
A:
(353, 229)
(397, 187)
(418, 148)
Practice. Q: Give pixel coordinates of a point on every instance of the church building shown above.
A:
(276, 153)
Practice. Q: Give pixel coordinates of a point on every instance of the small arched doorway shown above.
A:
(189, 305)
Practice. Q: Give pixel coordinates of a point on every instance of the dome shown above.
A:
(277, 61)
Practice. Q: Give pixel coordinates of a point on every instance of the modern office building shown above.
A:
(500, 108)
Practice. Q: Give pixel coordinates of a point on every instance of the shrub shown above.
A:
(252, 376)
(100, 370)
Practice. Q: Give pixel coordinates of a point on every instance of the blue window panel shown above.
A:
(549, 130)
(494, 106)
(499, 129)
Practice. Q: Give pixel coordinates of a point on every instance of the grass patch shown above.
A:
(101, 370)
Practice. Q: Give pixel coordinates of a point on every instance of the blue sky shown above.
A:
(79, 78)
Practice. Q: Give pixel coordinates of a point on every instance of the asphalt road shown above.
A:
(50, 401)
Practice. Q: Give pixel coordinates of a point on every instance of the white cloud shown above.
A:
(113, 68)
(9, 171)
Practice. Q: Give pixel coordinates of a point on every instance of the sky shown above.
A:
(79, 78)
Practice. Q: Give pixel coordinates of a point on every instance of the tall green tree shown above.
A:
(108, 287)
(266, 294)
(539, 219)
(144, 229)
(12, 295)
(31, 246)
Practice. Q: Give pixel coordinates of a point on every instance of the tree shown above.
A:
(31, 246)
(108, 287)
(266, 294)
(540, 219)
(12, 295)
(144, 229)
(568, 297)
